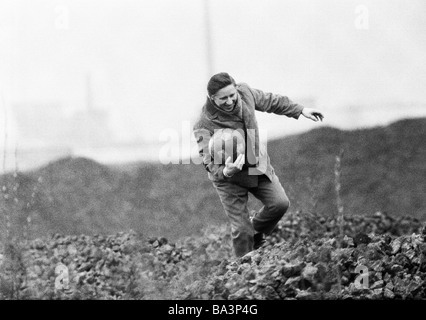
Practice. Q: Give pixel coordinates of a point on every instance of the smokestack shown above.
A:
(209, 44)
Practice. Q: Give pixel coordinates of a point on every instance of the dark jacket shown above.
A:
(257, 159)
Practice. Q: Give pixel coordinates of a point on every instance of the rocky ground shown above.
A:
(378, 257)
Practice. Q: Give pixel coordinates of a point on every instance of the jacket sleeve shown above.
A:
(202, 136)
(275, 103)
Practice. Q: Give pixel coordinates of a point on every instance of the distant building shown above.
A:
(40, 124)
(46, 125)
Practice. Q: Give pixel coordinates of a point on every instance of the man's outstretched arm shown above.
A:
(282, 105)
(275, 103)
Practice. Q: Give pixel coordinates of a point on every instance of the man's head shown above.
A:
(222, 91)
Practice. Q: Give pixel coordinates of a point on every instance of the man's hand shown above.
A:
(232, 168)
(312, 114)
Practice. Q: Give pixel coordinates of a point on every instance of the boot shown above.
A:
(259, 240)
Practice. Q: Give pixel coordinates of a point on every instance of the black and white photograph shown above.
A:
(213, 155)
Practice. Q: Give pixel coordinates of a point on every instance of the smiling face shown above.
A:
(226, 97)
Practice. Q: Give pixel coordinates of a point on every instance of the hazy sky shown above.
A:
(148, 60)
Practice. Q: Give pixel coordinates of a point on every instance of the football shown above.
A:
(226, 143)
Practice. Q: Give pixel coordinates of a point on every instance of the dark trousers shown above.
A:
(234, 199)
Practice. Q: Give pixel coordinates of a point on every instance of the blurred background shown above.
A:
(120, 81)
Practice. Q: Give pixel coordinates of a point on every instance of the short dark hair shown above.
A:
(219, 81)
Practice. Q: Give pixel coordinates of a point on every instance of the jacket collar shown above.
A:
(211, 109)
